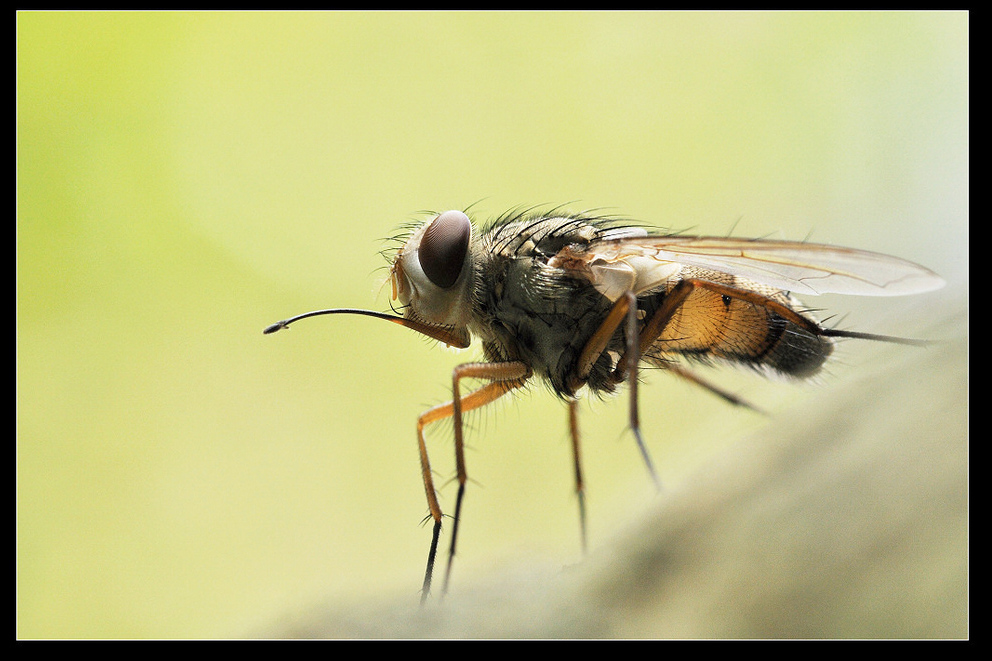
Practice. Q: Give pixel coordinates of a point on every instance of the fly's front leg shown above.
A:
(505, 377)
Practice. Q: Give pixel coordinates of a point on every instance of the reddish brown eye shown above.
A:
(444, 246)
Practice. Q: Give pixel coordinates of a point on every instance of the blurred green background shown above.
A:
(185, 179)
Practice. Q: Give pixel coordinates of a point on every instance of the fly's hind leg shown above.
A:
(504, 377)
(640, 340)
(624, 310)
(628, 363)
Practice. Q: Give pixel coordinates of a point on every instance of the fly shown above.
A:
(581, 300)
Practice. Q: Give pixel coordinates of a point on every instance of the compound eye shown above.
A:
(444, 246)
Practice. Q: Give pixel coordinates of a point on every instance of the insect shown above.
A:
(580, 300)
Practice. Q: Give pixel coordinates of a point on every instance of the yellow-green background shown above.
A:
(185, 179)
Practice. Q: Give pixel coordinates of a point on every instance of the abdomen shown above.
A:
(710, 326)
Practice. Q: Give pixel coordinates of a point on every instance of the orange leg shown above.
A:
(505, 377)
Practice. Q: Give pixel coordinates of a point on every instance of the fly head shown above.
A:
(434, 273)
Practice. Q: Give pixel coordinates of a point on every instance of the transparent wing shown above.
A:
(807, 268)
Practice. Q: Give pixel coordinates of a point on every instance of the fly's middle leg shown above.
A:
(573, 427)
